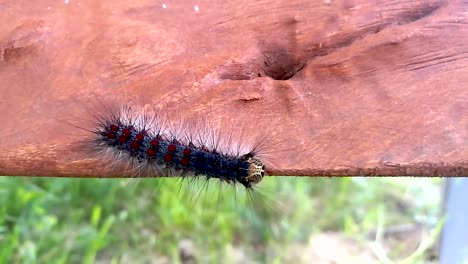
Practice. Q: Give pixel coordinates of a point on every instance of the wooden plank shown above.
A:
(341, 87)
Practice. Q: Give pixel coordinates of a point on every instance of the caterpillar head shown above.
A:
(256, 171)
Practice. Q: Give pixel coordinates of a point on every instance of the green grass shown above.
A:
(52, 220)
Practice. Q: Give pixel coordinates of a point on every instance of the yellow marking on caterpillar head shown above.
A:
(256, 171)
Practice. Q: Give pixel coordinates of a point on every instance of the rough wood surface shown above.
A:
(351, 87)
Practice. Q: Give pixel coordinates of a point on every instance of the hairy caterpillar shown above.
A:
(130, 139)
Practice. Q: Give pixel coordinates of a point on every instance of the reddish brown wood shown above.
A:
(372, 87)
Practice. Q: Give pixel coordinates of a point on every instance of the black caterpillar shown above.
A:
(162, 154)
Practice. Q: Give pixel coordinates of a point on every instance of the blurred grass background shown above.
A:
(300, 220)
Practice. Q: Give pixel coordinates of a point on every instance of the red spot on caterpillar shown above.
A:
(187, 151)
(154, 143)
(140, 137)
(127, 132)
(172, 148)
(151, 152)
(123, 139)
(168, 158)
(111, 135)
(114, 128)
(135, 145)
(185, 161)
